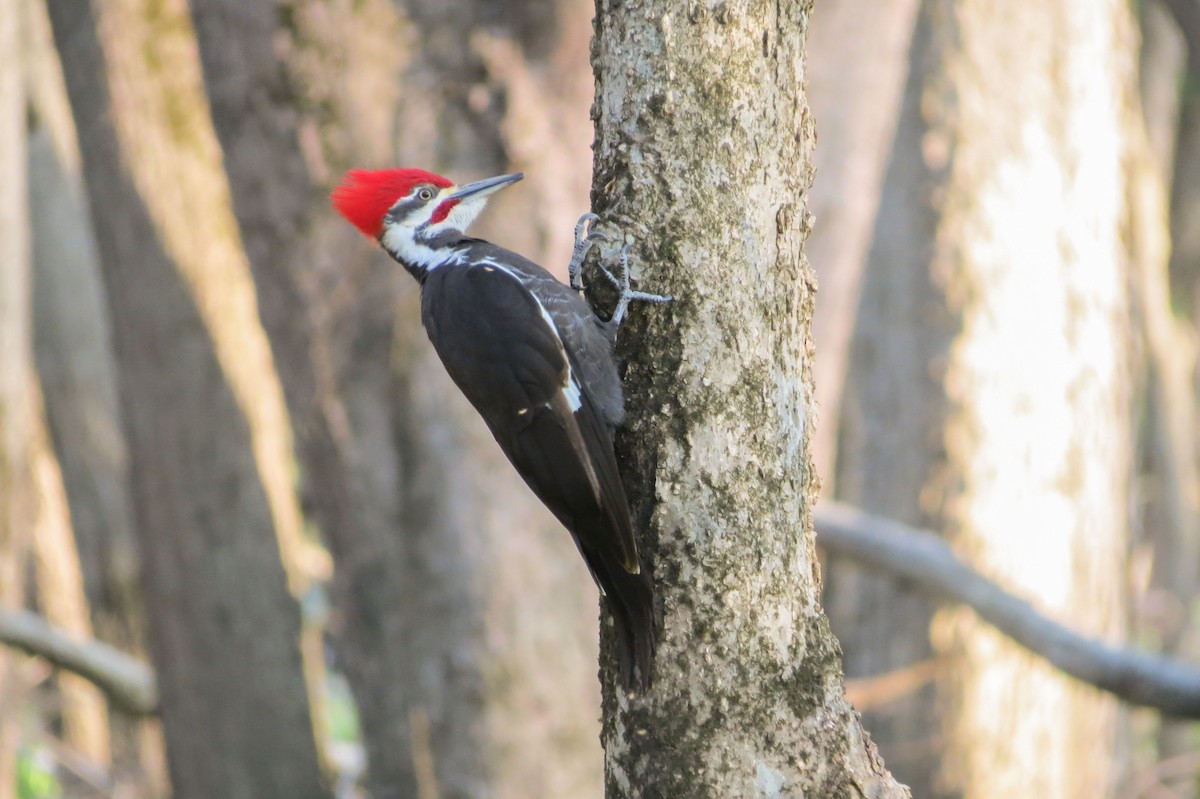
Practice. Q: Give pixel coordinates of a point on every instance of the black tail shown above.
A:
(630, 599)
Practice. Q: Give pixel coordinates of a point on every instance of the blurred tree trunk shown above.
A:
(891, 459)
(860, 57)
(266, 75)
(1032, 258)
(1161, 68)
(995, 368)
(72, 340)
(224, 631)
(857, 53)
(509, 91)
(1167, 285)
(704, 164)
(449, 689)
(505, 85)
(61, 598)
(1170, 478)
(1185, 181)
(16, 369)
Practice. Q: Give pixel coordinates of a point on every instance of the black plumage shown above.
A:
(534, 360)
(523, 369)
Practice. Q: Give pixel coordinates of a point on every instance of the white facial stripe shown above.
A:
(570, 388)
(400, 242)
(404, 238)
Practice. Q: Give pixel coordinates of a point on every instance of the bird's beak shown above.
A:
(482, 188)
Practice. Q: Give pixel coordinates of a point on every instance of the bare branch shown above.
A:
(925, 560)
(127, 681)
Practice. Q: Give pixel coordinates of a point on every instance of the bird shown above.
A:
(534, 360)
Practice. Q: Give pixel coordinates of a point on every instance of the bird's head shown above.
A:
(398, 206)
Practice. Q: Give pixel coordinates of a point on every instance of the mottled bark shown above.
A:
(224, 631)
(703, 160)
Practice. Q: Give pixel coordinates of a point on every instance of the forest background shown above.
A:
(228, 453)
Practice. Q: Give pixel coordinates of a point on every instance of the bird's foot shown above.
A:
(586, 237)
(627, 294)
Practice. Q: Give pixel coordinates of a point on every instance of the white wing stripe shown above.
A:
(411, 251)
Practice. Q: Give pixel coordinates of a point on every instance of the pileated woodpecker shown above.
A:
(535, 361)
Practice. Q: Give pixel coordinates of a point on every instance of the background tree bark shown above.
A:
(858, 52)
(82, 711)
(891, 459)
(1014, 392)
(510, 91)
(1171, 58)
(16, 369)
(704, 164)
(1042, 433)
(1185, 180)
(73, 347)
(215, 587)
(1165, 310)
(442, 621)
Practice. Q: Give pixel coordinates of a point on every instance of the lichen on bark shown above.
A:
(703, 162)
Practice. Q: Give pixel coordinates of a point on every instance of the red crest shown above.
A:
(365, 195)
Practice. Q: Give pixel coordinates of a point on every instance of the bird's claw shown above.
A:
(586, 237)
(627, 294)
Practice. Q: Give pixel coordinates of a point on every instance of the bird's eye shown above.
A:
(425, 194)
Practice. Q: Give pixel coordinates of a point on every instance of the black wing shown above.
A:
(505, 355)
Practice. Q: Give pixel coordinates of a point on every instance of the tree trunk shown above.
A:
(72, 341)
(891, 459)
(319, 301)
(61, 598)
(16, 368)
(857, 52)
(704, 163)
(428, 580)
(1040, 382)
(1162, 63)
(535, 602)
(1185, 182)
(224, 631)
(1171, 471)
(1015, 209)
